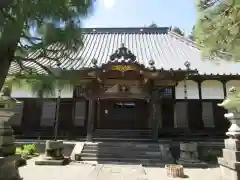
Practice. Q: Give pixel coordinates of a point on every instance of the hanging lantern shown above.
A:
(185, 88)
(187, 65)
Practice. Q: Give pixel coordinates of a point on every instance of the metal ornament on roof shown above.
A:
(124, 54)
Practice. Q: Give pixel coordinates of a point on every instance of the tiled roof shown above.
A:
(167, 49)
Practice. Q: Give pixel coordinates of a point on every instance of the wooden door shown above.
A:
(125, 114)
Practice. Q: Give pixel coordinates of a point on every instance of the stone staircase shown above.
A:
(126, 152)
(105, 134)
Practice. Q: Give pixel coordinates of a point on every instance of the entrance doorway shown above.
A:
(123, 114)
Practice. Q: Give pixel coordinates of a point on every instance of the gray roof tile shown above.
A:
(167, 49)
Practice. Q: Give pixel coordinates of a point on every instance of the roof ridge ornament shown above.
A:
(124, 54)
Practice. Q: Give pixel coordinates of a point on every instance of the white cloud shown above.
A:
(109, 3)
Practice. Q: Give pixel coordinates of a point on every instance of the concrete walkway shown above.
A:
(78, 171)
(118, 172)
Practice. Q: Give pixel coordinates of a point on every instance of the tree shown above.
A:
(5, 3)
(218, 28)
(153, 25)
(29, 29)
(192, 35)
(178, 31)
(175, 29)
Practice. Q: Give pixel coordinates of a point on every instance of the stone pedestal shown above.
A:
(53, 154)
(8, 160)
(166, 153)
(230, 162)
(8, 168)
(189, 155)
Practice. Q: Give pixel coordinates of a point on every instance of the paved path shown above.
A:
(118, 172)
(69, 172)
(77, 171)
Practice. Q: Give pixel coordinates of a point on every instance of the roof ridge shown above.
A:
(161, 30)
(183, 39)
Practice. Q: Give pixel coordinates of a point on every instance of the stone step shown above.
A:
(123, 144)
(122, 135)
(142, 161)
(120, 139)
(113, 151)
(119, 150)
(156, 155)
(123, 130)
(103, 133)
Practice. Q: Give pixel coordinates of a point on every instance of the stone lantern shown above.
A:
(8, 164)
(229, 163)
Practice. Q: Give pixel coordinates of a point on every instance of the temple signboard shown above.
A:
(123, 68)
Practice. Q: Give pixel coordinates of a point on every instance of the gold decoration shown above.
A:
(123, 68)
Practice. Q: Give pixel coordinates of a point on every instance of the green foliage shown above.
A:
(192, 36)
(153, 25)
(178, 31)
(27, 150)
(43, 85)
(29, 30)
(211, 155)
(218, 29)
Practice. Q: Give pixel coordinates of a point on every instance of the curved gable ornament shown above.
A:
(123, 54)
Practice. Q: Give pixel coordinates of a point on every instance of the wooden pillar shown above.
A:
(224, 88)
(154, 101)
(98, 114)
(91, 116)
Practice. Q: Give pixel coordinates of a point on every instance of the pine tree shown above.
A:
(28, 26)
(218, 28)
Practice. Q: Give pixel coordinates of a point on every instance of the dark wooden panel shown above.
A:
(167, 115)
(221, 123)
(65, 117)
(80, 117)
(31, 116)
(123, 117)
(195, 115)
(48, 113)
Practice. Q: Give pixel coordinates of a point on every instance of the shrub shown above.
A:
(25, 150)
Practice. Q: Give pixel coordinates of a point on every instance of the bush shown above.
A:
(211, 155)
(30, 149)
(26, 150)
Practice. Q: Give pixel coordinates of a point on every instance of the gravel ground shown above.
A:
(79, 171)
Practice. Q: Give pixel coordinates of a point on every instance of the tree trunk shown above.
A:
(4, 67)
(8, 44)
(7, 56)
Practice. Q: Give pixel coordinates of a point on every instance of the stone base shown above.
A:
(20, 161)
(229, 171)
(192, 163)
(8, 168)
(52, 162)
(232, 144)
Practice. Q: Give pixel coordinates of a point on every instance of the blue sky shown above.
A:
(137, 13)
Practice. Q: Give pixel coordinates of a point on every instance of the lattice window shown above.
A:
(78, 92)
(167, 92)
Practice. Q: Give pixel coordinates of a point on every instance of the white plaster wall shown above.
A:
(212, 89)
(231, 83)
(22, 92)
(192, 90)
(67, 92)
(26, 92)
